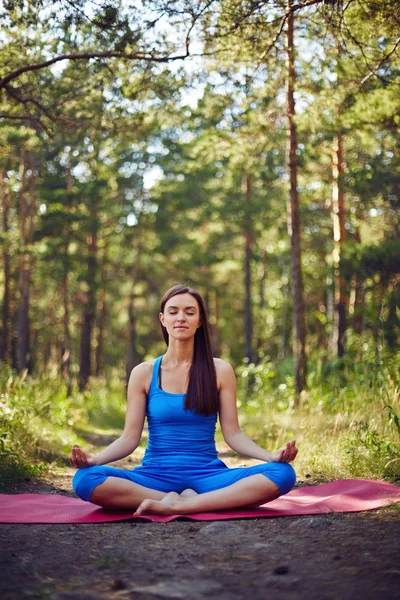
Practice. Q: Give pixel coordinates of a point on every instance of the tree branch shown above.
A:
(87, 56)
(384, 59)
(14, 94)
(19, 117)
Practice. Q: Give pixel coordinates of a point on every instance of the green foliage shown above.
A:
(348, 423)
(105, 403)
(370, 452)
(38, 421)
(15, 470)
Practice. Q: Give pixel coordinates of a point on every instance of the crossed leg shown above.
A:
(124, 494)
(252, 491)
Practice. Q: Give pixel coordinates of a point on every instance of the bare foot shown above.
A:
(169, 505)
(188, 493)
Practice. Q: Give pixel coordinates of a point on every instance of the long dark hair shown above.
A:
(202, 392)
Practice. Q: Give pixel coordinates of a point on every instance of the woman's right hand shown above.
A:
(286, 454)
(79, 458)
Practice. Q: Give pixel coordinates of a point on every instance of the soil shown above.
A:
(323, 557)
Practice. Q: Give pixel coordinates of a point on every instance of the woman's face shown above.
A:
(181, 316)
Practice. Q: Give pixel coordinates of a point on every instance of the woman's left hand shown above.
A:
(286, 454)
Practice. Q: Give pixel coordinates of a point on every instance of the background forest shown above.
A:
(247, 148)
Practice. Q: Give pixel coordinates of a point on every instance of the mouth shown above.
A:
(180, 327)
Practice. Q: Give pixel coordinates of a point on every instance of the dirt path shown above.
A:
(324, 557)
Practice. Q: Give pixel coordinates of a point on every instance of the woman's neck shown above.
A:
(180, 353)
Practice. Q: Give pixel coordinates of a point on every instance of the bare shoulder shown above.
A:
(141, 375)
(225, 372)
(222, 366)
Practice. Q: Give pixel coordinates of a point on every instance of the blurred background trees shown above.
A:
(198, 142)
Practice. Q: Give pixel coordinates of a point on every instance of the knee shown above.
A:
(283, 475)
(288, 480)
(85, 480)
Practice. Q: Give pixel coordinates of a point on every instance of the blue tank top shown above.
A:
(177, 437)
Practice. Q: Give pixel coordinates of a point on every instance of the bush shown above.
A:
(348, 421)
(39, 421)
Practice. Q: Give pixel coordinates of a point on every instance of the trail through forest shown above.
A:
(326, 557)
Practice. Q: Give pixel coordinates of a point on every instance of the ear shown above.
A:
(161, 316)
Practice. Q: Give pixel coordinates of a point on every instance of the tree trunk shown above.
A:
(102, 311)
(356, 304)
(66, 342)
(339, 236)
(248, 234)
(4, 346)
(26, 216)
(86, 363)
(212, 311)
(133, 357)
(299, 324)
(391, 325)
(261, 275)
(89, 304)
(287, 328)
(378, 330)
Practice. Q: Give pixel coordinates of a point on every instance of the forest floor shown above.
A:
(322, 557)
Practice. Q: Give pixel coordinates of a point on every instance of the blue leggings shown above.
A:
(201, 479)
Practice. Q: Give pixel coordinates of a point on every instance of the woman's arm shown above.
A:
(228, 416)
(134, 421)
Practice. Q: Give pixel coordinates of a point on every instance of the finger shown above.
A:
(284, 455)
(290, 452)
(287, 451)
(77, 457)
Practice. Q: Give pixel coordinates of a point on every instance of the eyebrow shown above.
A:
(187, 307)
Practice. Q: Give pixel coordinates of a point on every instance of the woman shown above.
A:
(181, 393)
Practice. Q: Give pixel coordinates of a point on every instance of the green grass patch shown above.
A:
(348, 421)
(39, 422)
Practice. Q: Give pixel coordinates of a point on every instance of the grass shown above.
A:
(347, 424)
(39, 422)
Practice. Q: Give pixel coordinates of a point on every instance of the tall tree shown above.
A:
(339, 236)
(5, 209)
(27, 206)
(299, 323)
(248, 235)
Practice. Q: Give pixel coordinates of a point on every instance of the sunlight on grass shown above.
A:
(347, 425)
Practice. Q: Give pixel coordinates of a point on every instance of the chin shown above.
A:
(182, 333)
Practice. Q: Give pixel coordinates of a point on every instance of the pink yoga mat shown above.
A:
(350, 495)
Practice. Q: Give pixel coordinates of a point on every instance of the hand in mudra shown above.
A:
(79, 458)
(286, 454)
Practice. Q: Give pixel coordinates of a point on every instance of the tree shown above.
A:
(299, 323)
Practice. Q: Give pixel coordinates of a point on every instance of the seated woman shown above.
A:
(181, 393)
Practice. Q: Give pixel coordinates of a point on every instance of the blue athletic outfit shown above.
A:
(181, 453)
